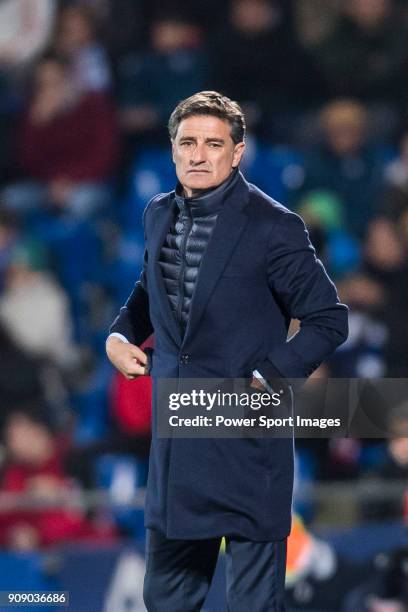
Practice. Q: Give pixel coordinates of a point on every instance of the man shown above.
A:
(226, 268)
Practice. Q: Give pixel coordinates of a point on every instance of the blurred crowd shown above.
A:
(86, 89)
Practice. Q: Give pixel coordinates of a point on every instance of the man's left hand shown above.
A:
(257, 384)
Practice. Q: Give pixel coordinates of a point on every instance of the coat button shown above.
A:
(184, 359)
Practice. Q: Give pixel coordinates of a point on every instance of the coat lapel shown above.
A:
(163, 216)
(230, 224)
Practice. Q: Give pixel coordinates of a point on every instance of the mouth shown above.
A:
(198, 172)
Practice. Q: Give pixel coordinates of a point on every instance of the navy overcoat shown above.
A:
(259, 271)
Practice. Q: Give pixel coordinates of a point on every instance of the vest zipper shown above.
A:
(187, 223)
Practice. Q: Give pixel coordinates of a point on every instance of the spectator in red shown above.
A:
(35, 473)
(67, 146)
(132, 405)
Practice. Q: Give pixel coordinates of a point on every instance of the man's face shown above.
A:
(204, 152)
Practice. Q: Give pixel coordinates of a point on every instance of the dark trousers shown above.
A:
(179, 573)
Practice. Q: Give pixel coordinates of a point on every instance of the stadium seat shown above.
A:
(123, 476)
(25, 572)
(276, 170)
(152, 173)
(91, 405)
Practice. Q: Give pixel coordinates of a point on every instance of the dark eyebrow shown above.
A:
(220, 140)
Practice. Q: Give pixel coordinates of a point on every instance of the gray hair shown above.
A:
(209, 103)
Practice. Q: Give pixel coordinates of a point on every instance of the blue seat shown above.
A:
(152, 173)
(123, 476)
(89, 574)
(91, 405)
(278, 171)
(122, 273)
(344, 253)
(76, 251)
(25, 572)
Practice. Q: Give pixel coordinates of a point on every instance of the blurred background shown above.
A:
(86, 89)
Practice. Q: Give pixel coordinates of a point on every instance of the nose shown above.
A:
(197, 155)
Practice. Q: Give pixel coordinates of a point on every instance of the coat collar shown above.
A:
(209, 201)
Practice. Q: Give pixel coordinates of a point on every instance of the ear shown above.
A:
(238, 153)
(173, 151)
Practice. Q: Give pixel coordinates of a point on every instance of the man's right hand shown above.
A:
(129, 359)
